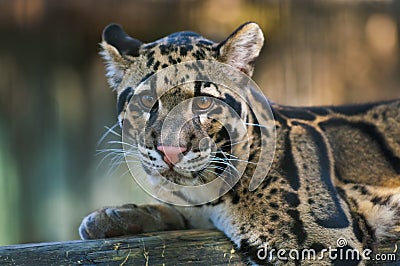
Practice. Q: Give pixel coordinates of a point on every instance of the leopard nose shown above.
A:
(171, 154)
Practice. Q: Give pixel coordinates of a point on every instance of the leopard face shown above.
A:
(188, 132)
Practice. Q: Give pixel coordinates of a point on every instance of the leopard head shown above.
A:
(180, 134)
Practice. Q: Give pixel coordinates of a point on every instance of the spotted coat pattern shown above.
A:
(335, 173)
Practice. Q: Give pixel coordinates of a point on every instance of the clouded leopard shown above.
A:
(335, 172)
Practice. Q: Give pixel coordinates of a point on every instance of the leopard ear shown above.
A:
(242, 47)
(118, 50)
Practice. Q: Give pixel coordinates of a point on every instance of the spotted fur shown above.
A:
(336, 170)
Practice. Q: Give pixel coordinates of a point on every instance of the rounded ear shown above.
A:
(115, 36)
(242, 47)
(117, 47)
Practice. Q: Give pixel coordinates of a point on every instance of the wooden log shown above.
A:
(191, 247)
(186, 247)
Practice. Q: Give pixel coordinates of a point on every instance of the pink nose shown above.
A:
(171, 153)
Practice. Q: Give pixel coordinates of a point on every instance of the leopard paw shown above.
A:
(130, 219)
(110, 222)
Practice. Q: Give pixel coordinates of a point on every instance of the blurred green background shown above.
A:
(55, 102)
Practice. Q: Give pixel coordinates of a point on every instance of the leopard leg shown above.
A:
(380, 206)
(131, 219)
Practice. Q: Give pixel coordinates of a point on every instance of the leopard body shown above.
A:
(335, 172)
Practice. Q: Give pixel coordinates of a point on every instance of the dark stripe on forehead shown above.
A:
(183, 51)
(123, 98)
(197, 88)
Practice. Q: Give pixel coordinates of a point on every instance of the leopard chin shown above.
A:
(185, 178)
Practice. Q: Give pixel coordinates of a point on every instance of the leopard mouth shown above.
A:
(180, 165)
(185, 177)
(174, 171)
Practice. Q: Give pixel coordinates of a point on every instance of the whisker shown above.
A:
(109, 130)
(202, 178)
(101, 151)
(235, 143)
(133, 161)
(223, 153)
(230, 185)
(227, 163)
(122, 143)
(114, 167)
(121, 175)
(117, 151)
(216, 167)
(237, 160)
(258, 125)
(105, 157)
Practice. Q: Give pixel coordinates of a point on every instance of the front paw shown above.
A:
(110, 222)
(130, 219)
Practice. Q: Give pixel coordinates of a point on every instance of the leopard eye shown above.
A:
(147, 101)
(202, 103)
